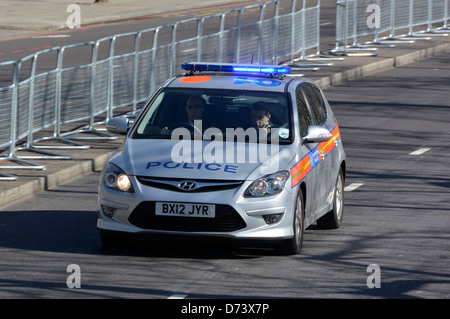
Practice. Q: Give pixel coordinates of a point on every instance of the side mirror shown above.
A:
(118, 125)
(317, 134)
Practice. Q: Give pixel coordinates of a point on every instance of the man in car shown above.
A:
(195, 106)
(260, 117)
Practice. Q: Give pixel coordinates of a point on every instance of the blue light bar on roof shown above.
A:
(237, 68)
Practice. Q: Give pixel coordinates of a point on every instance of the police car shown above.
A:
(242, 152)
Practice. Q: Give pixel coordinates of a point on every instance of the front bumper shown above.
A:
(237, 217)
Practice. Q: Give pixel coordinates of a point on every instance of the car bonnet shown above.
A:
(197, 159)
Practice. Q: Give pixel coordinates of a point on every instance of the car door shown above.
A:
(331, 159)
(309, 158)
(320, 167)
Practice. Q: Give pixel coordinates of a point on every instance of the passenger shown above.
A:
(260, 117)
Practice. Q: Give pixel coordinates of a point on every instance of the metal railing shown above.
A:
(355, 37)
(41, 104)
(277, 31)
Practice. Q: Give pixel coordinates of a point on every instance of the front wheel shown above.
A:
(333, 219)
(293, 245)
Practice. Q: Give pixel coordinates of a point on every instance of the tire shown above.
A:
(333, 219)
(293, 245)
(114, 240)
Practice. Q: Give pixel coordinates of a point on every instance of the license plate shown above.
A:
(185, 210)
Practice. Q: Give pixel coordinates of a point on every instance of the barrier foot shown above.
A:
(7, 177)
(412, 37)
(73, 144)
(309, 63)
(100, 135)
(324, 57)
(442, 29)
(299, 75)
(430, 33)
(416, 36)
(354, 52)
(45, 154)
(398, 40)
(304, 67)
(24, 164)
(376, 44)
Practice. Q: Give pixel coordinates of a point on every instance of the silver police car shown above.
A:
(242, 152)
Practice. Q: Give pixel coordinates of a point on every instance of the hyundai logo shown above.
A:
(187, 185)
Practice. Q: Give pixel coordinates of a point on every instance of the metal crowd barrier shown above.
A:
(274, 32)
(355, 37)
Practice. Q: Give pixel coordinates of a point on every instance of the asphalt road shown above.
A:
(395, 130)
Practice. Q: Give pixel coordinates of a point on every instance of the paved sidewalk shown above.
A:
(51, 13)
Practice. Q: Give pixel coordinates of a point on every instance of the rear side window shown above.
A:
(316, 102)
(304, 115)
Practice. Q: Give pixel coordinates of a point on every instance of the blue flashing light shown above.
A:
(237, 68)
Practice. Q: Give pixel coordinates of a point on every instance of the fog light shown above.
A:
(108, 211)
(272, 218)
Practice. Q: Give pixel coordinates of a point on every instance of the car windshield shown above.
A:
(216, 114)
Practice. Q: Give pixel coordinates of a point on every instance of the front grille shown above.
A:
(226, 220)
(203, 185)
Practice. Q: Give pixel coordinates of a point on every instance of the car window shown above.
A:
(220, 112)
(304, 115)
(316, 102)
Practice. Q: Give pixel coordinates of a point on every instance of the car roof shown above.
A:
(230, 82)
(232, 76)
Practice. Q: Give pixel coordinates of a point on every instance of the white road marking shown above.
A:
(420, 151)
(352, 187)
(51, 36)
(177, 296)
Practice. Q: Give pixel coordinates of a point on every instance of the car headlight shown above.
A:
(268, 185)
(114, 177)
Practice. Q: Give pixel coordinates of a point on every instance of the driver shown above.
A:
(195, 107)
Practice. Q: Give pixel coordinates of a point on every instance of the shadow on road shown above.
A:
(75, 231)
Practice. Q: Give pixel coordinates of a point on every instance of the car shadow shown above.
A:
(74, 231)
